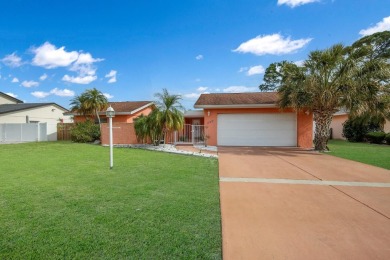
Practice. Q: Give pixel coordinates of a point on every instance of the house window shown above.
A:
(34, 122)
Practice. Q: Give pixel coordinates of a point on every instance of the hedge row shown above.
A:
(378, 137)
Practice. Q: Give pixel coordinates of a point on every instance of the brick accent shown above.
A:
(123, 133)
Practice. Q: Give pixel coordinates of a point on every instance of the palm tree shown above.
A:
(169, 115)
(78, 105)
(329, 80)
(90, 102)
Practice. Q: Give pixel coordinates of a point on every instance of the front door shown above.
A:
(196, 121)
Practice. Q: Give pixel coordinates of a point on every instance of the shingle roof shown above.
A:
(124, 108)
(10, 98)
(232, 99)
(128, 106)
(8, 108)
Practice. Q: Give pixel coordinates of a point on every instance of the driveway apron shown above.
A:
(286, 203)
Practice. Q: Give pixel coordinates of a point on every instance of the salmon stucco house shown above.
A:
(253, 119)
(123, 122)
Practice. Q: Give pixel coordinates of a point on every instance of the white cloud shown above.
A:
(84, 64)
(15, 80)
(79, 79)
(242, 69)
(199, 57)
(108, 96)
(191, 95)
(62, 92)
(86, 58)
(40, 94)
(299, 63)
(30, 83)
(217, 89)
(255, 70)
(43, 77)
(239, 89)
(112, 73)
(112, 80)
(201, 89)
(295, 3)
(11, 94)
(12, 60)
(274, 44)
(49, 57)
(384, 25)
(112, 76)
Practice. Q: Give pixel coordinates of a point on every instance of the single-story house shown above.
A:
(253, 119)
(125, 112)
(337, 124)
(15, 111)
(123, 127)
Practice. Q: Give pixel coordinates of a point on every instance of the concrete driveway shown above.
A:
(295, 204)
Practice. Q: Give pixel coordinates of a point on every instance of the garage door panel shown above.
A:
(257, 129)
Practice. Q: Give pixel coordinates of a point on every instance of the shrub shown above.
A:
(387, 138)
(355, 130)
(85, 132)
(376, 137)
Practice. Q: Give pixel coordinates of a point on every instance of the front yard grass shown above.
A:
(373, 154)
(59, 200)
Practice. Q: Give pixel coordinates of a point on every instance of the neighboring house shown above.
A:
(13, 110)
(123, 127)
(253, 119)
(7, 99)
(337, 124)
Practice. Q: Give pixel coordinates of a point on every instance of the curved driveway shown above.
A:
(295, 204)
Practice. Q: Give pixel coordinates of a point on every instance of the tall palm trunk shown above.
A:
(321, 135)
(97, 115)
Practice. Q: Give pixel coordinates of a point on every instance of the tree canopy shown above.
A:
(167, 116)
(355, 78)
(90, 102)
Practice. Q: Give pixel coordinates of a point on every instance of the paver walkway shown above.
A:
(295, 204)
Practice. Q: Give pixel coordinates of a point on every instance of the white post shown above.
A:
(111, 150)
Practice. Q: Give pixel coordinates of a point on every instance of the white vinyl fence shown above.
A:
(10, 133)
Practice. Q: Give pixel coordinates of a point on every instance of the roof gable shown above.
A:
(12, 99)
(9, 108)
(251, 99)
(129, 106)
(124, 108)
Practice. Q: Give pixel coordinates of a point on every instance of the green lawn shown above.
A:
(374, 154)
(59, 200)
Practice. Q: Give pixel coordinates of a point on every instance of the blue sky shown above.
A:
(129, 50)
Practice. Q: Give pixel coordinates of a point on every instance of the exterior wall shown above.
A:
(305, 130)
(123, 133)
(304, 123)
(42, 114)
(337, 126)
(387, 127)
(145, 112)
(4, 100)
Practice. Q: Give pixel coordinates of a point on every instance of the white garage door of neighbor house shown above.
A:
(277, 129)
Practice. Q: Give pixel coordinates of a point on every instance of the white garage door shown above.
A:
(277, 129)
